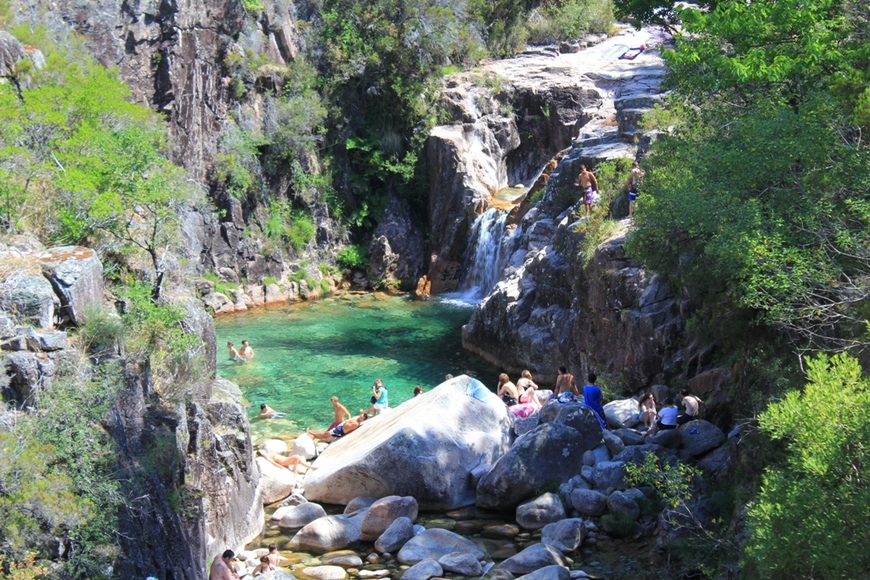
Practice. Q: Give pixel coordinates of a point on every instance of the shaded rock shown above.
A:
(397, 253)
(629, 436)
(701, 436)
(383, 512)
(637, 453)
(300, 516)
(549, 573)
(470, 527)
(566, 535)
(609, 475)
(533, 558)
(434, 544)
(614, 444)
(551, 454)
(396, 535)
(670, 438)
(461, 563)
(622, 413)
(543, 510)
(588, 502)
(624, 504)
(423, 570)
(359, 503)
(327, 534)
(440, 437)
(717, 462)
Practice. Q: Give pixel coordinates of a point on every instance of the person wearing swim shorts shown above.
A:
(340, 413)
(635, 176)
(345, 428)
(589, 185)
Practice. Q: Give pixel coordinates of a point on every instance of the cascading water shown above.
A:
(485, 254)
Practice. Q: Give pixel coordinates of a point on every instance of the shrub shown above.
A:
(619, 525)
(300, 231)
(810, 518)
(354, 257)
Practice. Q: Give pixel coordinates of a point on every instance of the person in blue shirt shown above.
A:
(592, 397)
(380, 402)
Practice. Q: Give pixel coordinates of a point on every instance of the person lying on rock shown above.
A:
(346, 427)
(289, 461)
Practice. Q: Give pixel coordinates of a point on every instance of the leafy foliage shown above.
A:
(809, 520)
(56, 477)
(354, 256)
(757, 203)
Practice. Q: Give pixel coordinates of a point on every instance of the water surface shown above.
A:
(307, 352)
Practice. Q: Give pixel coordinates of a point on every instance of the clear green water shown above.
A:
(307, 352)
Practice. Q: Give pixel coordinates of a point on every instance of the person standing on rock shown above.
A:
(592, 397)
(588, 186)
(635, 176)
(222, 567)
(565, 383)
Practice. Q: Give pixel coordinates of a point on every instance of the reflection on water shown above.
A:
(307, 352)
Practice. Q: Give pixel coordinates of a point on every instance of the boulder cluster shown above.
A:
(561, 478)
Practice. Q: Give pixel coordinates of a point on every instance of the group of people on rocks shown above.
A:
(668, 417)
(588, 184)
(224, 565)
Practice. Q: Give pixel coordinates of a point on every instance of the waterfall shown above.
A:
(484, 254)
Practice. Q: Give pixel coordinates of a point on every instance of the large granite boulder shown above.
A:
(76, 274)
(435, 543)
(622, 413)
(566, 535)
(550, 454)
(276, 482)
(297, 517)
(426, 449)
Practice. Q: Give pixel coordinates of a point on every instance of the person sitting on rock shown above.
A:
(648, 413)
(345, 428)
(527, 389)
(222, 567)
(418, 390)
(291, 462)
(692, 405)
(379, 399)
(273, 555)
(565, 383)
(507, 391)
(264, 566)
(340, 413)
(667, 416)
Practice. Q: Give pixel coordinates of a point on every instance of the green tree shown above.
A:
(810, 518)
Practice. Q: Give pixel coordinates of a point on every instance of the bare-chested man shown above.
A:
(341, 413)
(222, 567)
(292, 462)
(588, 186)
(346, 427)
(565, 383)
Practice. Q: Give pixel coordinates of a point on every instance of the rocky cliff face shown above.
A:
(204, 496)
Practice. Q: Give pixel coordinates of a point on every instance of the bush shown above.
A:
(354, 257)
(619, 525)
(300, 231)
(810, 518)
